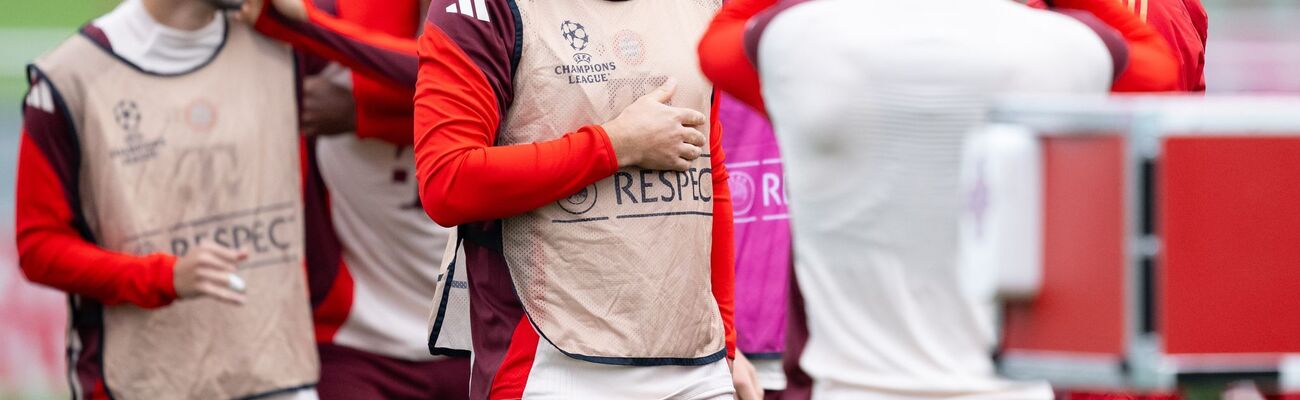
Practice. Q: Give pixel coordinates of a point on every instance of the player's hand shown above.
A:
(251, 10)
(209, 270)
(651, 134)
(294, 9)
(327, 109)
(745, 378)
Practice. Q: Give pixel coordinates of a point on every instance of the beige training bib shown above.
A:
(172, 161)
(619, 272)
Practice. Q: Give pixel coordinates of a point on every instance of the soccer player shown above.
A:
(157, 186)
(370, 290)
(575, 145)
(871, 102)
(370, 318)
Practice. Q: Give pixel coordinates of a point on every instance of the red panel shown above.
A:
(1081, 305)
(1230, 220)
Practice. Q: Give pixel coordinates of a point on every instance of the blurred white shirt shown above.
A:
(871, 101)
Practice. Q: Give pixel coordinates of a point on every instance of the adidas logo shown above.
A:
(472, 8)
(41, 97)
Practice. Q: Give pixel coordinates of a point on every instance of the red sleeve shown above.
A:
(1183, 23)
(1151, 64)
(463, 89)
(383, 109)
(376, 54)
(722, 52)
(723, 262)
(55, 248)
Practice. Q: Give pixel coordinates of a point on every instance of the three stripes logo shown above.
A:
(471, 8)
(41, 97)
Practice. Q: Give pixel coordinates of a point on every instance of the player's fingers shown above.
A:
(223, 294)
(228, 255)
(214, 276)
(693, 137)
(690, 117)
(227, 281)
(688, 152)
(680, 165)
(664, 92)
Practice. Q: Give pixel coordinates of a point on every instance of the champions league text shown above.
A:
(592, 73)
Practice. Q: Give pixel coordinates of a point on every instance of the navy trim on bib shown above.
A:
(442, 312)
(633, 361)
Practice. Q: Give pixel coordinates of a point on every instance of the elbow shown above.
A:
(442, 216)
(709, 65)
(30, 261)
(438, 209)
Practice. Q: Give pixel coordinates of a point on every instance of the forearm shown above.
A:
(471, 182)
(53, 252)
(724, 261)
(723, 254)
(375, 54)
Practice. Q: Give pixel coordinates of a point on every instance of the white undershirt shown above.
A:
(137, 37)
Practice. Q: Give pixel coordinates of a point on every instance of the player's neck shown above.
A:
(186, 15)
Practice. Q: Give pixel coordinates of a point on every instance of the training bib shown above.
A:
(618, 272)
(173, 161)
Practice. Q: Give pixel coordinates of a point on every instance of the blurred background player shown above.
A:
(762, 228)
(157, 164)
(372, 281)
(1185, 25)
(1182, 23)
(543, 129)
(872, 142)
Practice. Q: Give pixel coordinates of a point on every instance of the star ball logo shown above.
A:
(127, 115)
(580, 202)
(575, 34)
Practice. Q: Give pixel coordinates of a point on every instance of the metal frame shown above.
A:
(1145, 121)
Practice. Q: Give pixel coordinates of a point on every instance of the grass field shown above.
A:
(28, 28)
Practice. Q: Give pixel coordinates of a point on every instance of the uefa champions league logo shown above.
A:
(580, 202)
(127, 115)
(575, 34)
